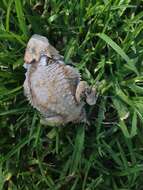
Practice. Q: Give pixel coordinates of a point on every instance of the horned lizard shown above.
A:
(52, 87)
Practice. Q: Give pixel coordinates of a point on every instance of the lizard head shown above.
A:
(37, 47)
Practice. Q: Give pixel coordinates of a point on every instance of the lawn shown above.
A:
(104, 38)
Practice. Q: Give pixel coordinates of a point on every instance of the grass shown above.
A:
(104, 39)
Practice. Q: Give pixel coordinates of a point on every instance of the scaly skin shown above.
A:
(53, 88)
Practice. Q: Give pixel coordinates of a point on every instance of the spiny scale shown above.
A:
(49, 89)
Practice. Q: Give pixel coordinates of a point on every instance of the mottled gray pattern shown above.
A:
(55, 89)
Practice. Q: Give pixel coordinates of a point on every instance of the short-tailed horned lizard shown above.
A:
(52, 87)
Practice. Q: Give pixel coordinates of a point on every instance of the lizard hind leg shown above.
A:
(85, 91)
(91, 96)
(80, 91)
(52, 121)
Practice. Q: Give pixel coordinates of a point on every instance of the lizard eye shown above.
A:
(33, 61)
(31, 50)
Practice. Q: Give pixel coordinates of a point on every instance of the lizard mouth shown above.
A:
(30, 62)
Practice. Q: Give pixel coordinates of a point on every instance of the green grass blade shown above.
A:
(8, 14)
(2, 180)
(134, 125)
(20, 16)
(115, 46)
(78, 148)
(16, 148)
(13, 111)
